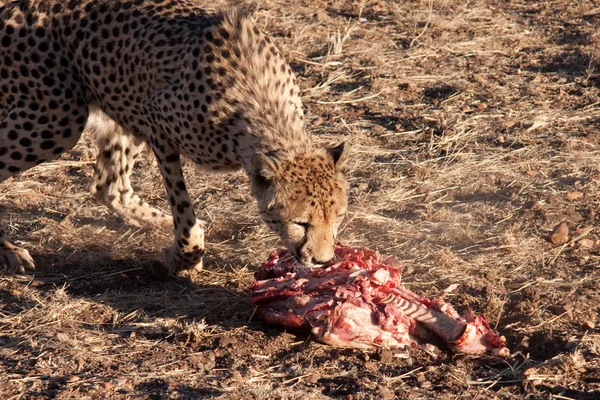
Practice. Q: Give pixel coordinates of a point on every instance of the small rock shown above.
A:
(409, 86)
(532, 173)
(322, 16)
(16, 292)
(583, 260)
(408, 269)
(560, 234)
(586, 244)
(574, 196)
(384, 355)
(183, 366)
(203, 361)
(524, 344)
(571, 345)
(364, 381)
(370, 365)
(73, 379)
(106, 385)
(538, 78)
(37, 284)
(314, 378)
(425, 385)
(589, 324)
(120, 381)
(534, 205)
(421, 377)
(406, 359)
(423, 189)
(567, 311)
(44, 371)
(237, 376)
(62, 337)
(480, 79)
(294, 370)
(6, 351)
(384, 393)
(225, 341)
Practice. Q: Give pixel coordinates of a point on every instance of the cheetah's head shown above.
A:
(303, 199)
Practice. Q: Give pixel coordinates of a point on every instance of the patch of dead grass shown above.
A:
(469, 124)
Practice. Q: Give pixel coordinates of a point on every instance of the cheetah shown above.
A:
(188, 82)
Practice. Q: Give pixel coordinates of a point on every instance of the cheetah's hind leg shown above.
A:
(26, 141)
(13, 258)
(111, 184)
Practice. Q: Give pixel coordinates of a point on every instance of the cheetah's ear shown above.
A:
(265, 170)
(339, 154)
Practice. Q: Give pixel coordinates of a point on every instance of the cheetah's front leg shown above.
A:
(186, 252)
(111, 184)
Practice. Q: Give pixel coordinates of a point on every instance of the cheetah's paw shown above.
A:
(16, 259)
(176, 261)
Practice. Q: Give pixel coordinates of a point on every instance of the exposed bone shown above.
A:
(443, 325)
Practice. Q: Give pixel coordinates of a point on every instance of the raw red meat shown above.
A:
(359, 301)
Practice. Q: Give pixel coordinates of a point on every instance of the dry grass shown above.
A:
(473, 126)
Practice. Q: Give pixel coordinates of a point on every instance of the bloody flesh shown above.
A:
(358, 301)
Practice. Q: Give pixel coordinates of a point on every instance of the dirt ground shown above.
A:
(473, 127)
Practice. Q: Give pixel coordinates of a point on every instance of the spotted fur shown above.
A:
(190, 83)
